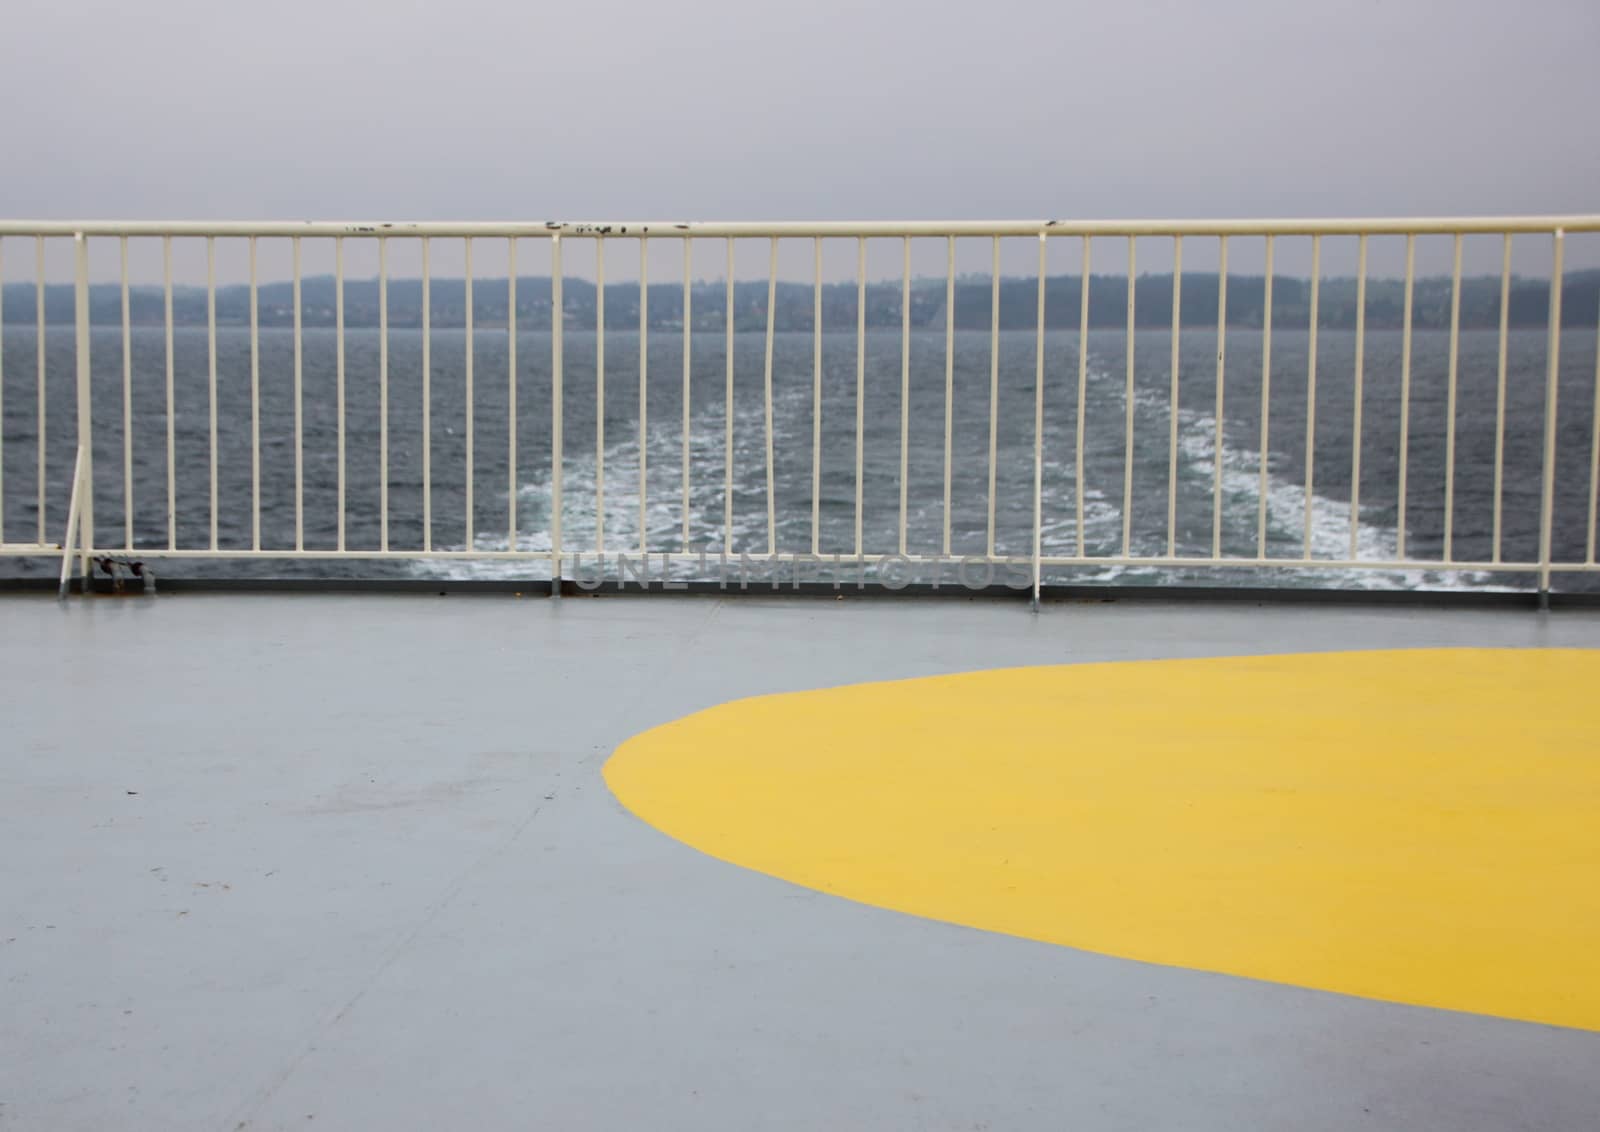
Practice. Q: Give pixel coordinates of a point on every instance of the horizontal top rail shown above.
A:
(1353, 226)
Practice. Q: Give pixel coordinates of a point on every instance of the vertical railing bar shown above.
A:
(383, 393)
(255, 403)
(816, 394)
(1551, 397)
(1083, 390)
(338, 339)
(1500, 389)
(905, 381)
(1172, 399)
(85, 406)
(511, 393)
(2, 394)
(1594, 457)
(727, 445)
(558, 323)
(994, 383)
(861, 375)
(127, 404)
(1038, 425)
(471, 322)
(1355, 435)
(1405, 392)
(427, 393)
(949, 379)
(772, 296)
(688, 339)
(1222, 369)
(211, 371)
(172, 448)
(299, 408)
(1127, 440)
(1266, 405)
(1450, 403)
(39, 344)
(644, 401)
(1311, 388)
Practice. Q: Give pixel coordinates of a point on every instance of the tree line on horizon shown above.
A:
(1528, 304)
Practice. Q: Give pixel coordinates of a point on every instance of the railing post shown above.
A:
(557, 322)
(1552, 385)
(85, 468)
(1038, 427)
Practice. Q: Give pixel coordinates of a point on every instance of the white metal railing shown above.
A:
(562, 555)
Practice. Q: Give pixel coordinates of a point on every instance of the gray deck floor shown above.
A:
(304, 861)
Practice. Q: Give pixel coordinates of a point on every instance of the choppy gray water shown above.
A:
(496, 491)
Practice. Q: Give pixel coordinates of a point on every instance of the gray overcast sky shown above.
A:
(500, 109)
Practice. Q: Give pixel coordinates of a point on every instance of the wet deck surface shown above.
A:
(329, 861)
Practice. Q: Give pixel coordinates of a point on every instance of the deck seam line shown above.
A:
(242, 1117)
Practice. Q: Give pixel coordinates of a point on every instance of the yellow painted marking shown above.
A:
(1419, 826)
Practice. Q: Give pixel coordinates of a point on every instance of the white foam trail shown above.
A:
(1285, 505)
(1286, 511)
(663, 507)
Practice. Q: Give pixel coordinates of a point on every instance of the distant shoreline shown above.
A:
(1528, 304)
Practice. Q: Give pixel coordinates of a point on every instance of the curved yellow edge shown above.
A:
(1421, 826)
